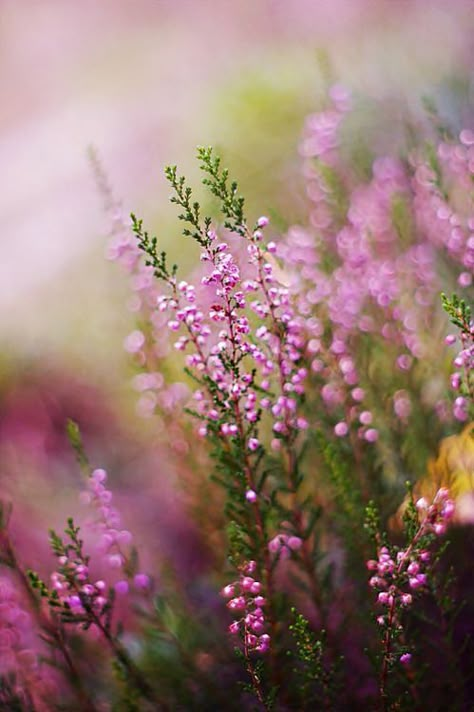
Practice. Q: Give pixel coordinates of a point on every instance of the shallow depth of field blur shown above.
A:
(143, 83)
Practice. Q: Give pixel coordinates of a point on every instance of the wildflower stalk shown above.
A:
(227, 407)
(54, 633)
(232, 207)
(391, 577)
(255, 680)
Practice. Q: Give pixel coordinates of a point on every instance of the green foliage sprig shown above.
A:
(182, 197)
(154, 258)
(458, 311)
(231, 203)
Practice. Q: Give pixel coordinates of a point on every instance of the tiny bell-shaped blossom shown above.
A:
(122, 587)
(141, 581)
(251, 496)
(341, 429)
(253, 444)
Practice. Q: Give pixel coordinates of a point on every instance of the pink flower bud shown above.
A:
(237, 604)
(294, 543)
(448, 509)
(371, 435)
(358, 394)
(246, 583)
(141, 581)
(251, 567)
(99, 476)
(257, 626)
(341, 429)
(134, 342)
(124, 537)
(121, 587)
(251, 496)
(115, 561)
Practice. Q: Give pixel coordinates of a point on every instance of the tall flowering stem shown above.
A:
(217, 367)
(398, 575)
(462, 379)
(283, 340)
(247, 604)
(81, 602)
(245, 349)
(50, 626)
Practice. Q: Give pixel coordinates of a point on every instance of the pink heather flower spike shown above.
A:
(246, 601)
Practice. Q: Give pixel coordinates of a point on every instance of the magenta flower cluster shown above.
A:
(247, 602)
(282, 545)
(74, 588)
(219, 332)
(398, 576)
(462, 379)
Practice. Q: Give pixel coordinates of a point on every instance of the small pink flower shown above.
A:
(251, 496)
(134, 342)
(122, 587)
(141, 581)
(341, 429)
(294, 543)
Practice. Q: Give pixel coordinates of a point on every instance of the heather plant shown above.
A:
(304, 380)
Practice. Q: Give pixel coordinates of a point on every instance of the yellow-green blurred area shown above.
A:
(144, 82)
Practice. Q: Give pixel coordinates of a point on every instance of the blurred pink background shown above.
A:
(144, 82)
